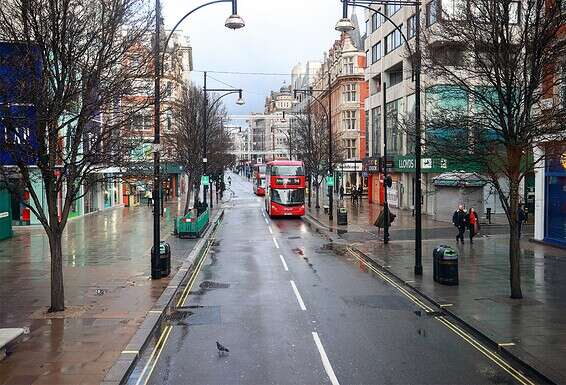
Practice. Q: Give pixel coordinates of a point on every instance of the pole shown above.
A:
(418, 194)
(310, 150)
(204, 149)
(330, 172)
(385, 202)
(155, 257)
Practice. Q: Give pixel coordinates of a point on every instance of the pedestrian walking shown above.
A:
(459, 220)
(521, 218)
(341, 193)
(473, 223)
(360, 193)
(354, 195)
(149, 196)
(229, 181)
(380, 221)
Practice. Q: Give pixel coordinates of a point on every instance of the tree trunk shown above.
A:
(514, 242)
(188, 198)
(57, 289)
(317, 194)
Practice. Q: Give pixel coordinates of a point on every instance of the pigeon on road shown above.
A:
(221, 349)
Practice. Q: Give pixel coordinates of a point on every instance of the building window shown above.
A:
(350, 149)
(562, 91)
(367, 27)
(393, 40)
(349, 92)
(375, 21)
(411, 27)
(394, 137)
(376, 52)
(376, 131)
(349, 120)
(391, 9)
(348, 65)
(366, 149)
(395, 78)
(142, 122)
(431, 12)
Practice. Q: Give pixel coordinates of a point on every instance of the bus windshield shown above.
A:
(287, 170)
(288, 196)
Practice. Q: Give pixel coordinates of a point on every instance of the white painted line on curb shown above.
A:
(270, 231)
(325, 361)
(284, 263)
(275, 241)
(266, 221)
(298, 295)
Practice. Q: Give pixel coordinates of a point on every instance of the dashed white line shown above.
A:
(266, 221)
(325, 361)
(283, 262)
(275, 241)
(270, 231)
(298, 295)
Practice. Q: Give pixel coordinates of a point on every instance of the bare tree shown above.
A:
(68, 63)
(186, 138)
(497, 58)
(310, 140)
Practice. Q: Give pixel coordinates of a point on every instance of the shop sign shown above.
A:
(371, 165)
(330, 181)
(205, 180)
(408, 164)
(349, 166)
(4, 214)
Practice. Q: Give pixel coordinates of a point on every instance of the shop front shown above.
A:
(371, 167)
(349, 176)
(555, 199)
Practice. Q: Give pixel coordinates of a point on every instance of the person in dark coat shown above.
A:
(459, 220)
(360, 192)
(521, 218)
(341, 192)
(380, 221)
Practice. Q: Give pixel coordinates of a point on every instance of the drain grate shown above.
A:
(195, 315)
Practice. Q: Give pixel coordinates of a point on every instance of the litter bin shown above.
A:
(445, 265)
(164, 258)
(342, 216)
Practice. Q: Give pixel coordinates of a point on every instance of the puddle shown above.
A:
(195, 315)
(213, 285)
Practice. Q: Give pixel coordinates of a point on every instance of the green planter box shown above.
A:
(191, 225)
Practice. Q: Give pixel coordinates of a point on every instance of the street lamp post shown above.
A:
(345, 25)
(207, 110)
(234, 21)
(328, 113)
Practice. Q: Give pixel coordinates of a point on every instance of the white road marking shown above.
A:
(266, 221)
(270, 231)
(283, 262)
(325, 361)
(298, 295)
(275, 241)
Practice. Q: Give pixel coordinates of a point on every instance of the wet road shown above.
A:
(293, 311)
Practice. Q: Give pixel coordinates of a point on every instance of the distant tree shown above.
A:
(496, 62)
(186, 139)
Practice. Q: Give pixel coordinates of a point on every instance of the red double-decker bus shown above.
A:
(258, 178)
(285, 188)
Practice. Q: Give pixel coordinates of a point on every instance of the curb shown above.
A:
(126, 362)
(513, 353)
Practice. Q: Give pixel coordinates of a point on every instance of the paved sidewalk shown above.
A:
(107, 251)
(535, 324)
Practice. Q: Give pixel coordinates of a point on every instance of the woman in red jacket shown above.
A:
(473, 223)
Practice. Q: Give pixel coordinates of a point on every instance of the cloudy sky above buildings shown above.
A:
(278, 34)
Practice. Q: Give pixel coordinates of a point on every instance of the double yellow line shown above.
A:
(158, 349)
(517, 375)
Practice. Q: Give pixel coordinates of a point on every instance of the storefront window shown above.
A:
(555, 202)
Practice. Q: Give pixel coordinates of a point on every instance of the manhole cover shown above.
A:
(213, 285)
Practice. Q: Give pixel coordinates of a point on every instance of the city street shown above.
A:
(291, 310)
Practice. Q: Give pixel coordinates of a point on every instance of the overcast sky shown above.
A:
(278, 34)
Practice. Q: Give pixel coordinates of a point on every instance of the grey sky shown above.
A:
(277, 35)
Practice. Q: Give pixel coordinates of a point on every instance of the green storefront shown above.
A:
(5, 215)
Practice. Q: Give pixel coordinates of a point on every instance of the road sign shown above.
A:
(330, 181)
(205, 180)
